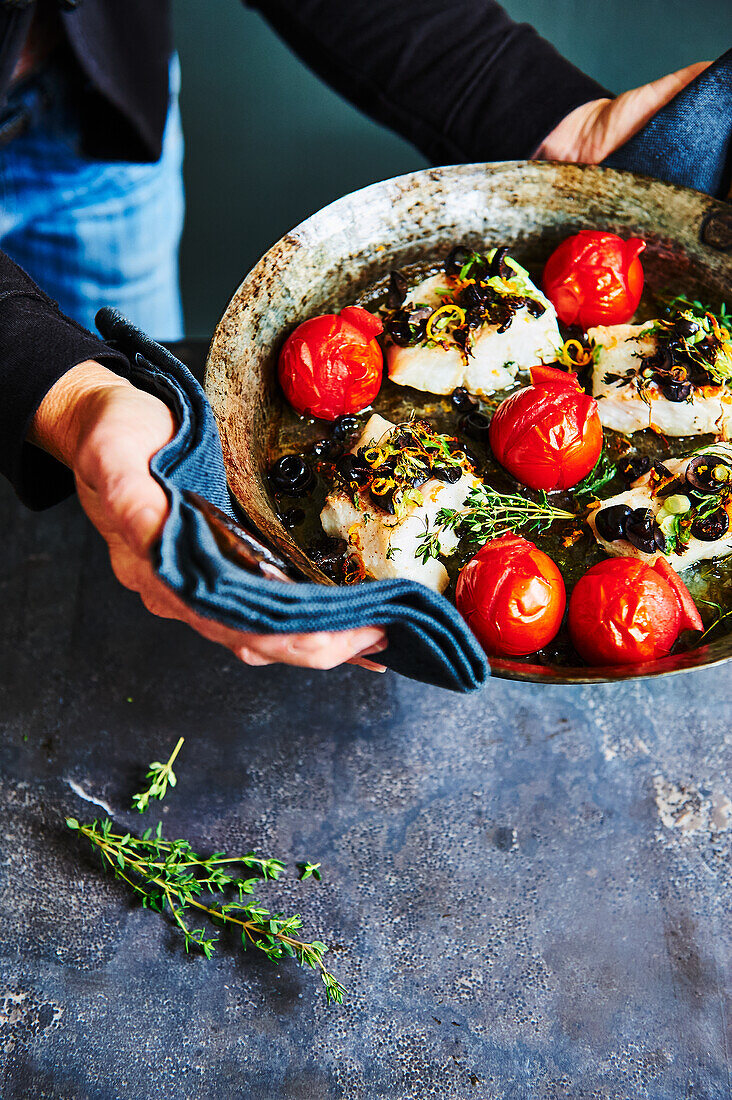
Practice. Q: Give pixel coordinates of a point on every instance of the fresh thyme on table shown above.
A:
(168, 874)
(488, 515)
(160, 776)
(599, 476)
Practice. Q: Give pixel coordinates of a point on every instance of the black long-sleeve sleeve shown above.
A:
(38, 345)
(458, 78)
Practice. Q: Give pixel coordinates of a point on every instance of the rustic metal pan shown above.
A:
(330, 259)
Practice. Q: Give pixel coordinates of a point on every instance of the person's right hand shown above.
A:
(596, 129)
(107, 431)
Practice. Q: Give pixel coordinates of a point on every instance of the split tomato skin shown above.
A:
(625, 611)
(512, 597)
(548, 435)
(331, 366)
(595, 278)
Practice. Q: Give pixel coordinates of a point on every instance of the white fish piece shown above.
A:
(707, 412)
(385, 544)
(496, 356)
(639, 496)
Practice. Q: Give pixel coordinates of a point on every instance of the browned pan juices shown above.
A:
(710, 582)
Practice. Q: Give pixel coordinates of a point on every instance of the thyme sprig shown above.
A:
(489, 514)
(169, 875)
(160, 776)
(599, 476)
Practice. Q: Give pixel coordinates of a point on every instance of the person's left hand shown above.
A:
(596, 129)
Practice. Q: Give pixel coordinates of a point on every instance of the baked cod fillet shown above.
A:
(706, 410)
(459, 338)
(674, 503)
(387, 543)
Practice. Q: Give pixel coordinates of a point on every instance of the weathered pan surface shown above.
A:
(330, 259)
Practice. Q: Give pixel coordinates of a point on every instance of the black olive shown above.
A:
(291, 475)
(462, 401)
(536, 309)
(474, 318)
(661, 470)
(697, 375)
(400, 331)
(498, 264)
(475, 424)
(353, 469)
(397, 291)
(661, 361)
(415, 317)
(344, 427)
(293, 517)
(450, 474)
(633, 468)
(383, 501)
(456, 259)
(685, 327)
(326, 450)
(640, 530)
(700, 473)
(677, 485)
(610, 522)
(711, 527)
(460, 336)
(474, 296)
(659, 538)
(676, 391)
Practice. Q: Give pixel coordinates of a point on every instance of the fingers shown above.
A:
(630, 112)
(317, 651)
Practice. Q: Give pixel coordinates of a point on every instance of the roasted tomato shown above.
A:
(624, 611)
(512, 597)
(595, 278)
(331, 365)
(548, 435)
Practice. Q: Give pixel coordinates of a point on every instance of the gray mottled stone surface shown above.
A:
(527, 890)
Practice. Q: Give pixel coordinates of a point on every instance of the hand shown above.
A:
(106, 431)
(596, 129)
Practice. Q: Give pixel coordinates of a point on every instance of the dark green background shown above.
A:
(268, 143)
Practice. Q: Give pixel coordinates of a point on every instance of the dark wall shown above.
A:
(268, 144)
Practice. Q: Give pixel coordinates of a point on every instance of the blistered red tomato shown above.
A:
(511, 596)
(595, 278)
(625, 611)
(331, 365)
(548, 435)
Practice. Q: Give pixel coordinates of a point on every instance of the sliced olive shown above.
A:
(291, 475)
(353, 469)
(661, 470)
(397, 291)
(685, 327)
(456, 259)
(498, 265)
(400, 331)
(475, 424)
(344, 427)
(676, 391)
(475, 295)
(712, 527)
(293, 517)
(708, 473)
(611, 522)
(462, 401)
(450, 474)
(640, 530)
(474, 318)
(383, 501)
(677, 485)
(536, 309)
(326, 450)
(633, 468)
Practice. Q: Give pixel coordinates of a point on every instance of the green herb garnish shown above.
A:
(489, 514)
(160, 776)
(169, 875)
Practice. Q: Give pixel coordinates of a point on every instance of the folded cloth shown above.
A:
(428, 640)
(689, 141)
